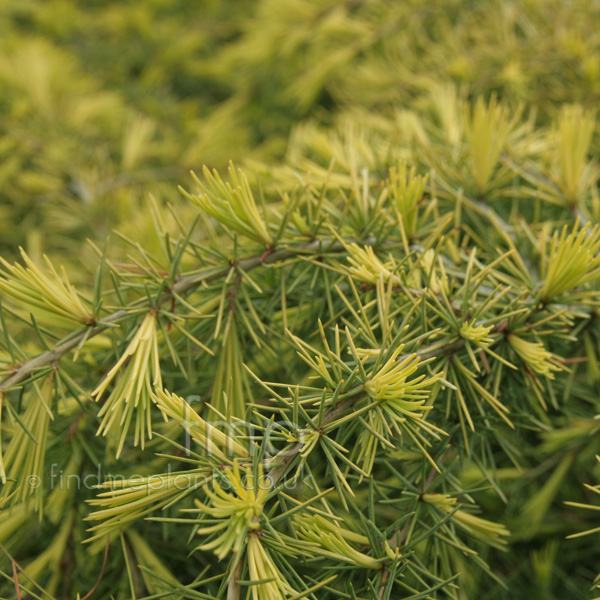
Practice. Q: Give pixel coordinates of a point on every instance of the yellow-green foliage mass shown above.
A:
(299, 299)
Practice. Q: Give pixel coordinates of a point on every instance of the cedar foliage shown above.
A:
(360, 361)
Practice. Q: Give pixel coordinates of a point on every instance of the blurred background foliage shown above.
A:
(102, 100)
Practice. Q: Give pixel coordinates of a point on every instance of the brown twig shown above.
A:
(16, 578)
(233, 588)
(101, 571)
(15, 566)
(183, 285)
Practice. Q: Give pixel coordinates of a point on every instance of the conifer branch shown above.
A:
(233, 587)
(183, 285)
